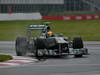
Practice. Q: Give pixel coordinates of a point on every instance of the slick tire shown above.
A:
(77, 43)
(21, 46)
(78, 56)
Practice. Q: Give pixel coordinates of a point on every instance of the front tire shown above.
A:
(78, 55)
(78, 44)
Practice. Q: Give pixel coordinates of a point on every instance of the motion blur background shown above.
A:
(50, 7)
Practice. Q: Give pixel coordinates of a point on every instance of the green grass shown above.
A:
(5, 57)
(89, 30)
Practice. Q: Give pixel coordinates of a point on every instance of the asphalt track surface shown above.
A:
(88, 65)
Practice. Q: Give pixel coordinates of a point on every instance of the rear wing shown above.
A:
(37, 27)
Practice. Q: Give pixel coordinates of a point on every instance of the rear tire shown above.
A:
(21, 46)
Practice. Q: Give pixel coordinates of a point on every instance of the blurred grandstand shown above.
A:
(50, 7)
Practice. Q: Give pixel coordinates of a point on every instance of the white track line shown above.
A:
(8, 64)
(23, 58)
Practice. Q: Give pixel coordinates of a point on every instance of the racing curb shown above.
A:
(18, 60)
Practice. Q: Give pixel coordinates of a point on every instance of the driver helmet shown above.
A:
(50, 33)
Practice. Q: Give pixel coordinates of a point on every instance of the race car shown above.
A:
(48, 43)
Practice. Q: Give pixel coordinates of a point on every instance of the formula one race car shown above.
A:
(49, 44)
